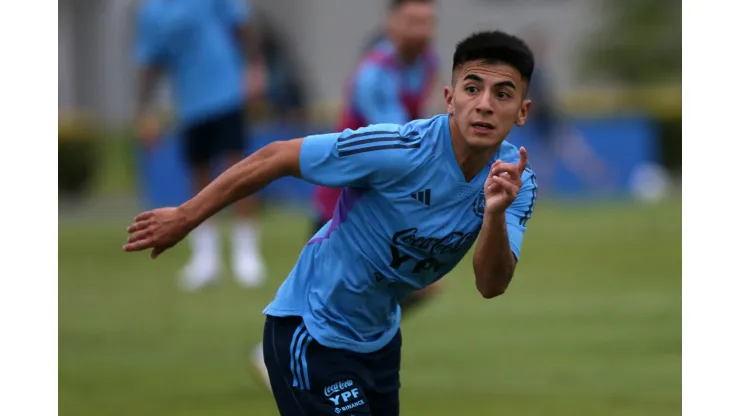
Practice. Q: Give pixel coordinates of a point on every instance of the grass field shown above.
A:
(590, 326)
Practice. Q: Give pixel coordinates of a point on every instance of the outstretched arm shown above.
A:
(162, 228)
(365, 157)
(270, 163)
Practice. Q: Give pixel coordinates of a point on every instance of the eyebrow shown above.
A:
(474, 77)
(505, 84)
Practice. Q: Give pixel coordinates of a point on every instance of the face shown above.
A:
(486, 101)
(414, 24)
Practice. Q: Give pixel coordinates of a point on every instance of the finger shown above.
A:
(523, 160)
(138, 236)
(138, 226)
(157, 251)
(144, 216)
(508, 187)
(496, 163)
(509, 168)
(138, 245)
(516, 182)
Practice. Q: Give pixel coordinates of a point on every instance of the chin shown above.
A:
(480, 142)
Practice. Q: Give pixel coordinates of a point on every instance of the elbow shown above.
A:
(493, 285)
(491, 292)
(282, 157)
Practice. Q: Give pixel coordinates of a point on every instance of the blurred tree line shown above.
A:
(639, 42)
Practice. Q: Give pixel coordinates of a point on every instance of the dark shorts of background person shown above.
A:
(310, 379)
(211, 139)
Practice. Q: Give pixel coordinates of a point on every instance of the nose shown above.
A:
(483, 105)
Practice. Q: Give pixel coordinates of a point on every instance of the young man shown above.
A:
(202, 47)
(332, 338)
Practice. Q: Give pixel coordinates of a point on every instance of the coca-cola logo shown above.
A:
(451, 243)
(337, 387)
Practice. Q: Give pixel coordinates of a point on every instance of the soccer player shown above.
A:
(332, 339)
(202, 47)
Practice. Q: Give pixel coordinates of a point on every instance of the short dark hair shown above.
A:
(495, 47)
(394, 4)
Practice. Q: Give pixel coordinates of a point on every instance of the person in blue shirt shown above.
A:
(415, 199)
(209, 52)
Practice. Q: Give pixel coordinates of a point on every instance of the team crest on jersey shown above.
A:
(479, 205)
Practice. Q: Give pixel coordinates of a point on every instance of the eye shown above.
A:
(503, 95)
(471, 89)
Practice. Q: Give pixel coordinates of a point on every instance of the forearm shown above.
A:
(493, 261)
(242, 180)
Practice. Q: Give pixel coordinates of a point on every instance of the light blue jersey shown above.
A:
(195, 42)
(405, 218)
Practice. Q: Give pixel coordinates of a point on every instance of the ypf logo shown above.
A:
(479, 205)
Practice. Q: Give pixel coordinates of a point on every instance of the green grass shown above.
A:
(590, 326)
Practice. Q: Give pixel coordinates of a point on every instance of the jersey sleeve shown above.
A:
(520, 211)
(377, 96)
(234, 12)
(148, 48)
(366, 157)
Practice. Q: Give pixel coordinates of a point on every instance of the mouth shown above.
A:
(482, 127)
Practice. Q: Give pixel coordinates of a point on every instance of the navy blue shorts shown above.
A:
(310, 379)
(220, 135)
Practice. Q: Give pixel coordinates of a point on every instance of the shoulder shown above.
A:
(377, 63)
(381, 55)
(431, 133)
(399, 147)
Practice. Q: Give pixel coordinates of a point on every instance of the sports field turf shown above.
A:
(590, 326)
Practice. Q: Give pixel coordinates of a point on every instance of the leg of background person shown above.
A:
(247, 262)
(247, 259)
(204, 265)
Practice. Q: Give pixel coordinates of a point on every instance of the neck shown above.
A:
(471, 160)
(405, 57)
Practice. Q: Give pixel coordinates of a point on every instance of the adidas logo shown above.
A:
(425, 196)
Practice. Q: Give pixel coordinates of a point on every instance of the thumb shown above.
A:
(156, 251)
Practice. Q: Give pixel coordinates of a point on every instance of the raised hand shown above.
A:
(503, 183)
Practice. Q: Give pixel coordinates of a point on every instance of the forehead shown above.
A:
(416, 9)
(490, 73)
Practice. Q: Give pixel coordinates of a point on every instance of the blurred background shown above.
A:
(591, 324)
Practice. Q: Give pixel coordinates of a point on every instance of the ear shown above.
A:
(449, 92)
(523, 112)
